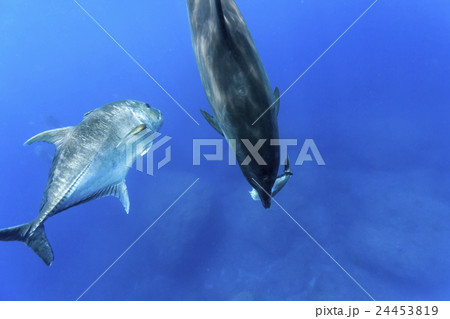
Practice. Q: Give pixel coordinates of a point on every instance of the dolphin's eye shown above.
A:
(148, 105)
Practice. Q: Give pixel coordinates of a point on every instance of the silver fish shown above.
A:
(91, 161)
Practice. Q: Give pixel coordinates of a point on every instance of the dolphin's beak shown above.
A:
(265, 198)
(264, 189)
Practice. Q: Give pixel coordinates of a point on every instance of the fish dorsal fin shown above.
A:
(276, 95)
(87, 114)
(134, 131)
(212, 121)
(55, 137)
(117, 190)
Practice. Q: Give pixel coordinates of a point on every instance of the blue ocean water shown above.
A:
(376, 105)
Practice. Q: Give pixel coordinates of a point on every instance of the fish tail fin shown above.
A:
(36, 240)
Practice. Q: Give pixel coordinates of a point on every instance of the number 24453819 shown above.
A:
(407, 310)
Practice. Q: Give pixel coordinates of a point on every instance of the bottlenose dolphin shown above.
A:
(238, 90)
(91, 161)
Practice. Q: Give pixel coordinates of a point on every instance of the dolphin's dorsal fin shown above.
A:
(276, 95)
(134, 131)
(55, 137)
(222, 22)
(212, 121)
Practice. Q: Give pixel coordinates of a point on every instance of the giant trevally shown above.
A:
(92, 160)
(238, 90)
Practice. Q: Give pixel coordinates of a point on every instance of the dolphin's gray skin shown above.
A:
(90, 162)
(237, 88)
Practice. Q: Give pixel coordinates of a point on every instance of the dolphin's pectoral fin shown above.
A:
(55, 137)
(117, 190)
(134, 131)
(212, 121)
(276, 95)
(282, 180)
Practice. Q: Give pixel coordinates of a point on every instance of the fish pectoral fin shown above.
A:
(55, 137)
(212, 121)
(276, 95)
(145, 151)
(133, 132)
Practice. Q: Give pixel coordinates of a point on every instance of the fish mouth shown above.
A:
(159, 118)
(155, 117)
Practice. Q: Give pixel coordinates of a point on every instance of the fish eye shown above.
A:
(148, 105)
